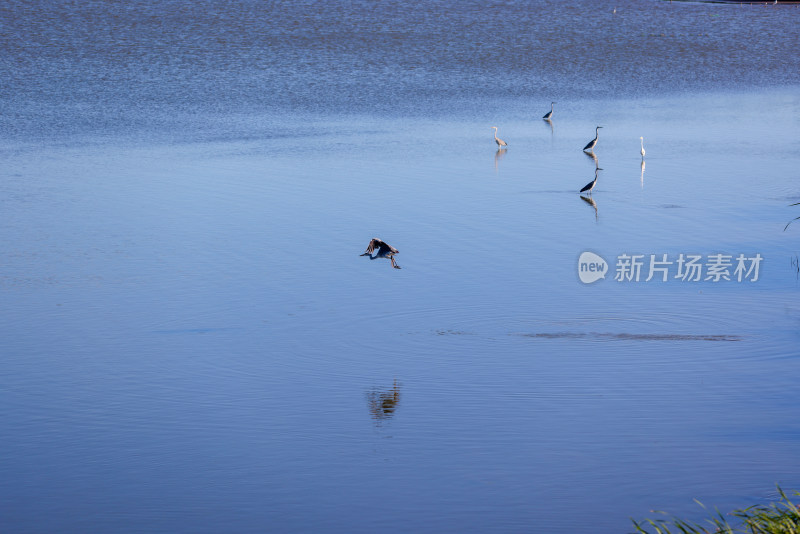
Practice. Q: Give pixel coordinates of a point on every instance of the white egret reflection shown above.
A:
(641, 177)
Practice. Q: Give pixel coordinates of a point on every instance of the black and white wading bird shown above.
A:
(591, 144)
(549, 114)
(588, 187)
(381, 249)
(500, 142)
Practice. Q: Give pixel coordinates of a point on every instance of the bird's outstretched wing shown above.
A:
(374, 242)
(379, 246)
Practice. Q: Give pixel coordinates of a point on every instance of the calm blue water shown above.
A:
(191, 342)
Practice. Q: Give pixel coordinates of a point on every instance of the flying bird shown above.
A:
(591, 144)
(381, 249)
(549, 114)
(500, 142)
(588, 187)
(641, 139)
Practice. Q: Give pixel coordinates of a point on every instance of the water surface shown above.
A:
(191, 341)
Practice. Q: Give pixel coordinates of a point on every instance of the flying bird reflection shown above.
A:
(382, 404)
(380, 249)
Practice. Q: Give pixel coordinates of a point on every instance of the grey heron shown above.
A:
(588, 187)
(549, 114)
(381, 249)
(641, 139)
(591, 144)
(497, 140)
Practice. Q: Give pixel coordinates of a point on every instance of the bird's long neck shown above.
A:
(642, 141)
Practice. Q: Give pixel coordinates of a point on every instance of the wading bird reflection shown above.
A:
(381, 249)
(501, 152)
(591, 202)
(588, 187)
(549, 114)
(591, 144)
(641, 178)
(497, 140)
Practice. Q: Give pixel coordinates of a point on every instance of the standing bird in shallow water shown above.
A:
(500, 142)
(642, 151)
(591, 144)
(588, 187)
(549, 114)
(383, 249)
